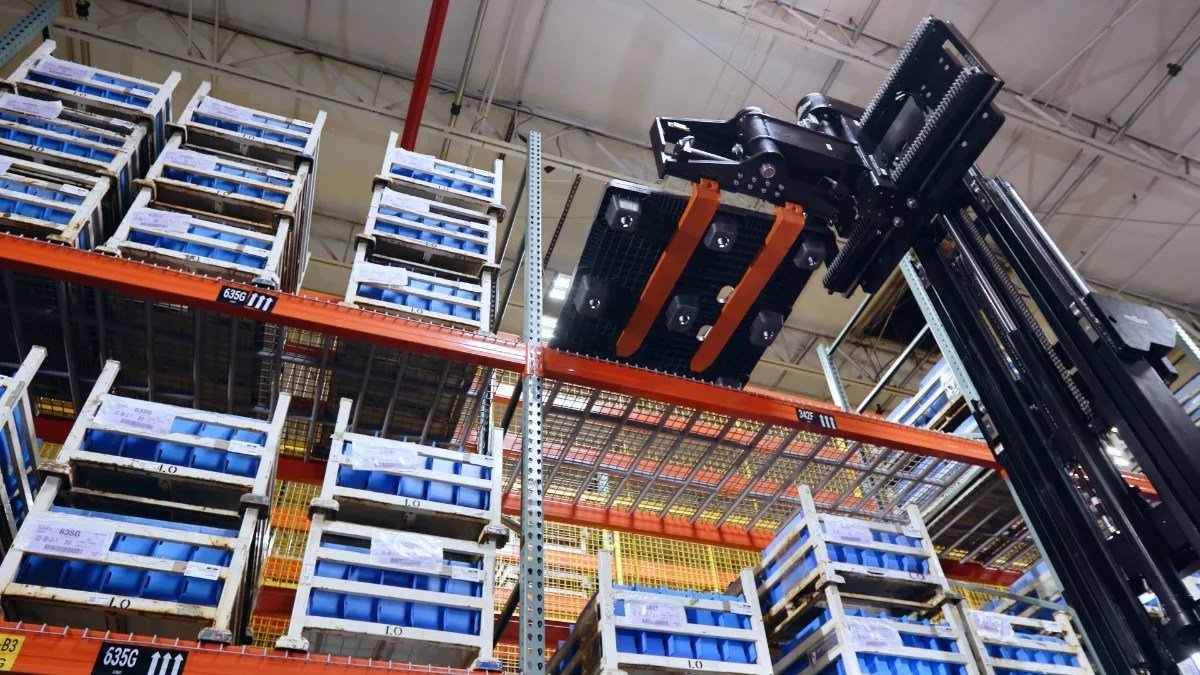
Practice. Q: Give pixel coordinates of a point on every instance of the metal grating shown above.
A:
(267, 629)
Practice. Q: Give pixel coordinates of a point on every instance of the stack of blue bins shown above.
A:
(49, 203)
(389, 484)
(1035, 582)
(414, 173)
(455, 302)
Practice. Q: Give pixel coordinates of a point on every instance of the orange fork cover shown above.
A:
(789, 221)
(706, 197)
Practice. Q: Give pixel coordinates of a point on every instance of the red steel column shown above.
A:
(416, 103)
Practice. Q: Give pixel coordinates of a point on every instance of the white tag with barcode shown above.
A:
(97, 599)
(873, 633)
(370, 273)
(116, 411)
(991, 625)
(31, 106)
(306, 574)
(381, 454)
(412, 160)
(402, 202)
(230, 111)
(53, 535)
(410, 551)
(647, 610)
(945, 631)
(741, 608)
(153, 219)
(202, 570)
(66, 69)
(5, 164)
(122, 123)
(73, 190)
(848, 529)
(282, 175)
(188, 159)
(466, 573)
(245, 448)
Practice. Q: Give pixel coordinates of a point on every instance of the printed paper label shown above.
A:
(202, 571)
(282, 175)
(302, 123)
(848, 529)
(992, 626)
(122, 123)
(306, 574)
(65, 69)
(478, 460)
(31, 106)
(873, 634)
(380, 454)
(412, 160)
(189, 159)
(741, 608)
(245, 448)
(371, 273)
(64, 536)
(647, 610)
(73, 190)
(96, 599)
(142, 415)
(5, 164)
(910, 531)
(945, 631)
(466, 573)
(151, 219)
(410, 551)
(229, 111)
(402, 202)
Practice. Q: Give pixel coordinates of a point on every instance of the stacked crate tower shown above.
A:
(152, 519)
(230, 195)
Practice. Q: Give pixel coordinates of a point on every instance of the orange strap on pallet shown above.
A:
(706, 197)
(789, 221)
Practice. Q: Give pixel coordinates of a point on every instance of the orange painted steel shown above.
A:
(295, 311)
(706, 197)
(789, 222)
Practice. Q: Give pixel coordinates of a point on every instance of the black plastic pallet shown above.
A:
(626, 260)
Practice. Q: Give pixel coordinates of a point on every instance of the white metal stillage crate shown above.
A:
(99, 91)
(441, 235)
(425, 175)
(412, 487)
(641, 631)
(212, 123)
(245, 251)
(374, 593)
(1012, 644)
(54, 204)
(19, 457)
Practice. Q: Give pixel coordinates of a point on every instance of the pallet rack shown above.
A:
(19, 460)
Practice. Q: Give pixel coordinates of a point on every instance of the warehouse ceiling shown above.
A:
(592, 74)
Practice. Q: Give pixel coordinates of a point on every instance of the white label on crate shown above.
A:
(478, 460)
(202, 570)
(5, 164)
(189, 159)
(371, 273)
(650, 610)
(413, 160)
(381, 454)
(302, 123)
(848, 529)
(910, 531)
(873, 633)
(122, 123)
(992, 626)
(231, 111)
(142, 415)
(152, 219)
(282, 175)
(96, 599)
(306, 574)
(945, 631)
(66, 536)
(245, 448)
(466, 573)
(59, 68)
(403, 202)
(410, 551)
(31, 106)
(741, 608)
(73, 190)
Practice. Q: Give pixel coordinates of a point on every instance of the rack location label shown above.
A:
(125, 658)
(819, 419)
(232, 295)
(10, 649)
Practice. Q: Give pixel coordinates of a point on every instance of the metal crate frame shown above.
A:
(225, 623)
(454, 260)
(421, 645)
(1060, 627)
(127, 163)
(833, 639)
(248, 145)
(156, 114)
(87, 227)
(441, 193)
(421, 516)
(113, 474)
(426, 274)
(220, 202)
(921, 592)
(597, 632)
(275, 236)
(14, 404)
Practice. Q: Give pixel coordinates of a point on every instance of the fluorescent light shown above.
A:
(548, 325)
(558, 289)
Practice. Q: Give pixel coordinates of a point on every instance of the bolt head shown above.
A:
(766, 170)
(911, 203)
